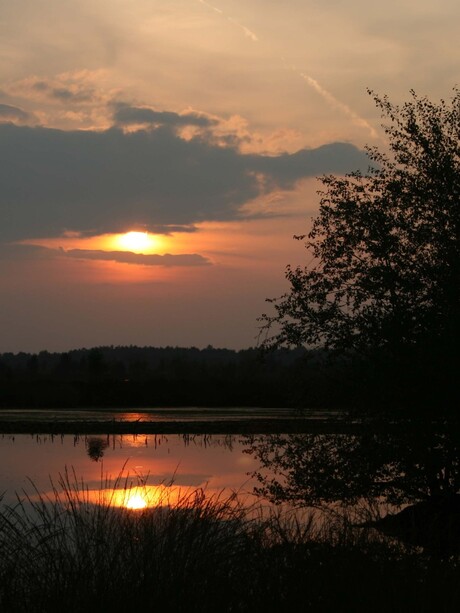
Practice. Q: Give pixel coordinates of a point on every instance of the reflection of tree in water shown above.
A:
(418, 468)
(316, 469)
(95, 447)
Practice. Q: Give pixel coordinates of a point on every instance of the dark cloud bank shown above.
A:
(110, 181)
(127, 115)
(20, 251)
(127, 257)
(12, 113)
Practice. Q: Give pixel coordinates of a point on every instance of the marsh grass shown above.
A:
(62, 552)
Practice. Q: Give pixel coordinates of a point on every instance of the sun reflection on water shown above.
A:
(135, 502)
(142, 496)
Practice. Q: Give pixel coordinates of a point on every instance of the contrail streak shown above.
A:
(332, 100)
(313, 83)
(246, 31)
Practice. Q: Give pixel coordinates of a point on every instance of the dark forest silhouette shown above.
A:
(172, 376)
(148, 376)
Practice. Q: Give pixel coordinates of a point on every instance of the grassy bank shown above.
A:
(204, 554)
(294, 425)
(222, 426)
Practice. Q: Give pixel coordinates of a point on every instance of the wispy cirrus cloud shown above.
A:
(78, 98)
(75, 88)
(64, 94)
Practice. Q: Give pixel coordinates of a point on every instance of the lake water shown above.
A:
(159, 414)
(164, 467)
(372, 473)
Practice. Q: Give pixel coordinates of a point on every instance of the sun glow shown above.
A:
(138, 498)
(134, 241)
(138, 242)
(135, 501)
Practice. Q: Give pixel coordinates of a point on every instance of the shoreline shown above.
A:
(243, 426)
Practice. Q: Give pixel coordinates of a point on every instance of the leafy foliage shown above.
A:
(384, 249)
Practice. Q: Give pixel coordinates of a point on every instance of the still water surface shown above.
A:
(159, 414)
(163, 467)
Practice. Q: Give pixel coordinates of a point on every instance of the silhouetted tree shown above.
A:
(384, 249)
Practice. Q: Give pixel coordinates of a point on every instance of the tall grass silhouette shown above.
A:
(67, 551)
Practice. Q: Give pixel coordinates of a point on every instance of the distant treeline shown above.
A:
(172, 377)
(153, 377)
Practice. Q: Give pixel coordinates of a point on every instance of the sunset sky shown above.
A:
(157, 156)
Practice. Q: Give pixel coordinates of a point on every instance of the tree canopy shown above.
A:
(384, 271)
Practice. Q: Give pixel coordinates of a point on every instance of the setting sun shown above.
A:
(137, 241)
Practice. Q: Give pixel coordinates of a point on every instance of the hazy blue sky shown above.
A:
(203, 124)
